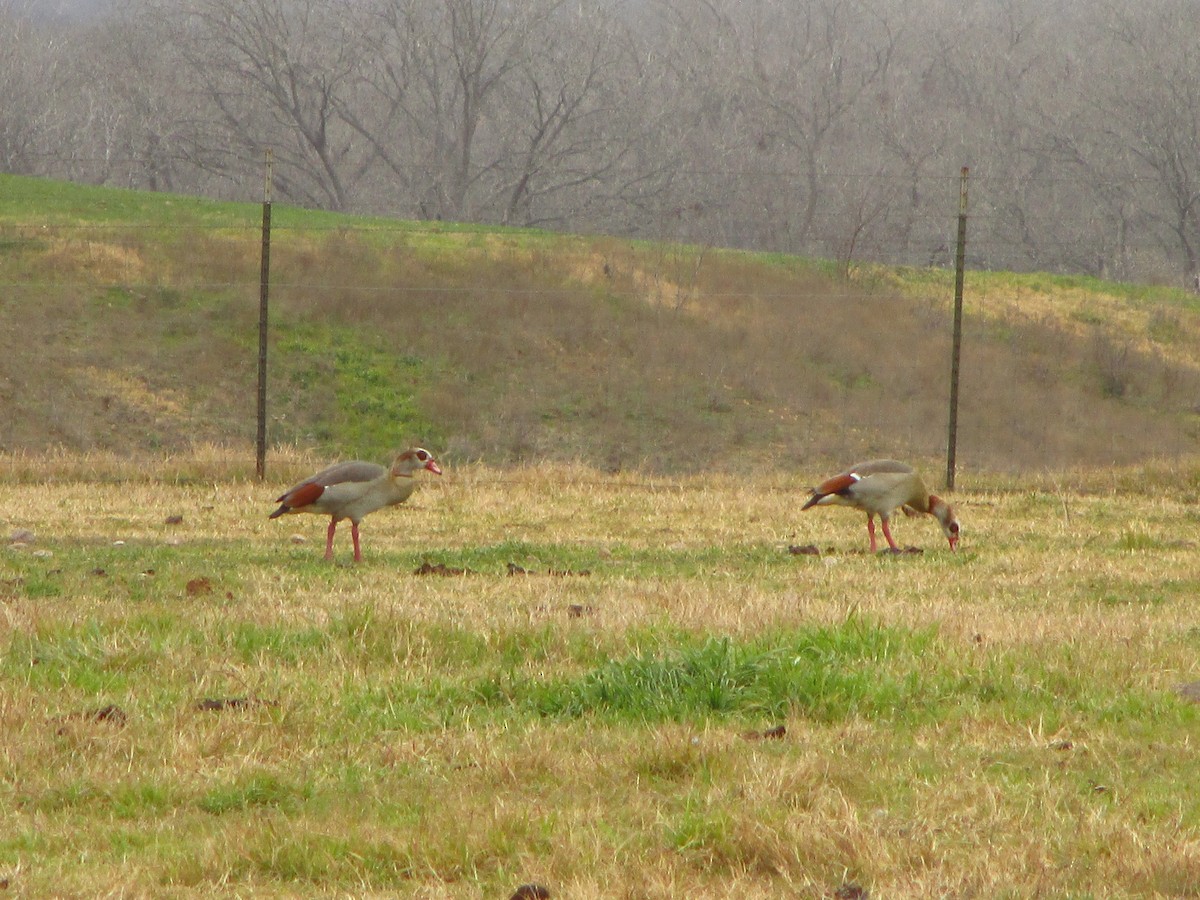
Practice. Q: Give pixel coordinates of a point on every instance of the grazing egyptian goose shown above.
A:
(350, 490)
(878, 488)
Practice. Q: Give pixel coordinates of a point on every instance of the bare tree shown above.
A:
(487, 110)
(831, 127)
(565, 122)
(1149, 108)
(126, 107)
(706, 136)
(809, 68)
(31, 84)
(274, 74)
(436, 71)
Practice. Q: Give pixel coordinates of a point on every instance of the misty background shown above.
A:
(831, 128)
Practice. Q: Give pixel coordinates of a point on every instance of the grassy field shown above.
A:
(195, 704)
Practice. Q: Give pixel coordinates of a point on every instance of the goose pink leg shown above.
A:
(887, 533)
(329, 538)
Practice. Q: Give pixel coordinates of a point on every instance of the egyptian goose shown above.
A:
(878, 488)
(350, 490)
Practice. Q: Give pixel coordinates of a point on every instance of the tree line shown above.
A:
(832, 128)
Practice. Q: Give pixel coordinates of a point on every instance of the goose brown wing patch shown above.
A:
(303, 495)
(838, 483)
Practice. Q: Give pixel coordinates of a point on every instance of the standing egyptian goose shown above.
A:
(878, 488)
(350, 490)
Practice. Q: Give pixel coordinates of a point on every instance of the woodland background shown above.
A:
(830, 128)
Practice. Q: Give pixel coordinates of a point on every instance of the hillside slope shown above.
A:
(129, 322)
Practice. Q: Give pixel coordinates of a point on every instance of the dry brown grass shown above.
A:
(1062, 770)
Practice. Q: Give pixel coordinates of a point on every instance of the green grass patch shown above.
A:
(370, 390)
(256, 791)
(826, 674)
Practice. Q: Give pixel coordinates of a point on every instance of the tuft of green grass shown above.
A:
(828, 674)
(254, 791)
(825, 674)
(1139, 540)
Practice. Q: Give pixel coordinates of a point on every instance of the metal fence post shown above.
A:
(264, 284)
(956, 343)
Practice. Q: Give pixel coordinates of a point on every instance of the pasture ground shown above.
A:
(194, 705)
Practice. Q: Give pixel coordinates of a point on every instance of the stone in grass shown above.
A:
(531, 891)
(778, 733)
(804, 550)
(851, 891)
